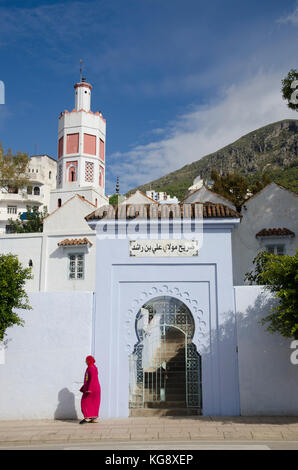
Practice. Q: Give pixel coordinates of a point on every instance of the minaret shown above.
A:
(81, 150)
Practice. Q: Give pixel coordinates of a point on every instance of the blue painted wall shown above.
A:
(204, 283)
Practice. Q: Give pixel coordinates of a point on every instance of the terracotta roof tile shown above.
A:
(275, 232)
(75, 242)
(210, 210)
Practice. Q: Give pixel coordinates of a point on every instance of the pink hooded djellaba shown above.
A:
(90, 401)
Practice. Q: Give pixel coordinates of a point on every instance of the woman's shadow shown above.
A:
(66, 407)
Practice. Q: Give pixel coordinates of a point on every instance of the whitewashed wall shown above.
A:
(273, 207)
(268, 380)
(43, 364)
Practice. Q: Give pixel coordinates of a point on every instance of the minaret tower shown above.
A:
(81, 151)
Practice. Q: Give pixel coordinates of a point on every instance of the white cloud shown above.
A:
(236, 111)
(292, 18)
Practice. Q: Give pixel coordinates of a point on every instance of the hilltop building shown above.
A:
(42, 171)
(162, 197)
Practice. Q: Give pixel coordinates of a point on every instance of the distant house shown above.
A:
(162, 197)
(41, 170)
(138, 198)
(204, 194)
(269, 222)
(63, 256)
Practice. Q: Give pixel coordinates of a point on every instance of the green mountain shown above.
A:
(271, 150)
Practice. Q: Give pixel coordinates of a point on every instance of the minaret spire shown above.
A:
(81, 71)
(117, 185)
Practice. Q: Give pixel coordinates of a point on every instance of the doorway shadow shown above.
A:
(66, 409)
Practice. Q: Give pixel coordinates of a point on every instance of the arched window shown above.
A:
(50, 174)
(72, 174)
(59, 202)
(36, 191)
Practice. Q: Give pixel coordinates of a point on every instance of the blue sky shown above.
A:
(175, 79)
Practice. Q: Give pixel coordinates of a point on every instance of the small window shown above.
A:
(36, 191)
(59, 202)
(11, 209)
(280, 249)
(12, 190)
(29, 190)
(9, 229)
(76, 266)
(276, 249)
(50, 175)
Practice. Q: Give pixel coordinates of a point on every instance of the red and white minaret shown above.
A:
(81, 151)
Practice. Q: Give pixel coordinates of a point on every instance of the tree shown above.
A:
(31, 222)
(279, 275)
(12, 293)
(116, 199)
(232, 186)
(13, 169)
(288, 89)
(260, 183)
(236, 187)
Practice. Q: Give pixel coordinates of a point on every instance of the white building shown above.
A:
(269, 221)
(162, 197)
(42, 171)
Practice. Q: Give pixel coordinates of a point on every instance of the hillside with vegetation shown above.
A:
(271, 150)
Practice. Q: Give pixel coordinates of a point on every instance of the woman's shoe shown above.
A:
(84, 421)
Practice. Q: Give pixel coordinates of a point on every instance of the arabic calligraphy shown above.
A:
(163, 248)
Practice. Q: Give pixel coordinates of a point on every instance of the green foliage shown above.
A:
(235, 187)
(116, 199)
(33, 222)
(232, 186)
(279, 275)
(113, 200)
(288, 177)
(12, 294)
(268, 152)
(13, 169)
(287, 90)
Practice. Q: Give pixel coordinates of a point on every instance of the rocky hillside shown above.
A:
(272, 149)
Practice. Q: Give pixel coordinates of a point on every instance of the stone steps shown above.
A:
(147, 412)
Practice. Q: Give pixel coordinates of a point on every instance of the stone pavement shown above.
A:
(153, 429)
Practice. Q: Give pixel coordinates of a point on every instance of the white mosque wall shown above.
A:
(51, 262)
(43, 363)
(268, 379)
(273, 207)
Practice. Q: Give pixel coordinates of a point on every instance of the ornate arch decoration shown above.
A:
(175, 292)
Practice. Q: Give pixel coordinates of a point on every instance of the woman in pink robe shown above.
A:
(90, 401)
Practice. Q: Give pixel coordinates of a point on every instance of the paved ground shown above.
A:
(154, 433)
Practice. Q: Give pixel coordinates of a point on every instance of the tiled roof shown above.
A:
(210, 211)
(75, 242)
(275, 232)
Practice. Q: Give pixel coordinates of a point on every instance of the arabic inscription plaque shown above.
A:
(158, 248)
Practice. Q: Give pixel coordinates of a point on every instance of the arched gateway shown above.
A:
(165, 368)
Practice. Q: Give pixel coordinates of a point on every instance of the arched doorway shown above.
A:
(165, 368)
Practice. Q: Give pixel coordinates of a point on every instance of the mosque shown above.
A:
(154, 291)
